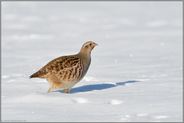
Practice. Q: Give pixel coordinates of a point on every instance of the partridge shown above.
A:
(65, 71)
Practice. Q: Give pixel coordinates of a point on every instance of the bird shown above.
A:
(66, 71)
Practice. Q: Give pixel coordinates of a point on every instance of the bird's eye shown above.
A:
(90, 44)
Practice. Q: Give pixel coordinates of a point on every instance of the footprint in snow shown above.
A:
(160, 117)
(80, 100)
(125, 117)
(141, 114)
(5, 76)
(115, 102)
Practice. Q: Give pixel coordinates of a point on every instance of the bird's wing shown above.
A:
(66, 67)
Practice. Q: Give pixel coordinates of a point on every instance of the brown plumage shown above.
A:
(64, 72)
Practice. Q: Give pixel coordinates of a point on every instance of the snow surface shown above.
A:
(135, 74)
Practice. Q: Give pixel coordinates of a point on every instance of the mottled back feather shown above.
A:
(64, 67)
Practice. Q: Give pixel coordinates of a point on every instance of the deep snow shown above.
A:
(135, 74)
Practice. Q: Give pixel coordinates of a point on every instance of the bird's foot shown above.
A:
(50, 90)
(66, 90)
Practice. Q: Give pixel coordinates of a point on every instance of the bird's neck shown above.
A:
(86, 56)
(85, 52)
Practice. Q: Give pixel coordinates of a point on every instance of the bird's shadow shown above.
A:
(103, 86)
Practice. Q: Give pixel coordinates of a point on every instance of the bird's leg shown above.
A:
(66, 90)
(50, 89)
(54, 85)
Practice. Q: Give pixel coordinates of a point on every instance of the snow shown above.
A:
(115, 102)
(135, 73)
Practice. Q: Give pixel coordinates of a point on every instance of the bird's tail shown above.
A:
(34, 75)
(37, 74)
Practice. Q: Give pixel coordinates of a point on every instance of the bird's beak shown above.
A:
(96, 44)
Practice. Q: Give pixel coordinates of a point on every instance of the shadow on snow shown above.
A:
(103, 86)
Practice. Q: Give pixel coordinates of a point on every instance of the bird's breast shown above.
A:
(86, 64)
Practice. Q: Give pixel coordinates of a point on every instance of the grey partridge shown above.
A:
(65, 71)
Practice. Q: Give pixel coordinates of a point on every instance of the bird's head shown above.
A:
(88, 47)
